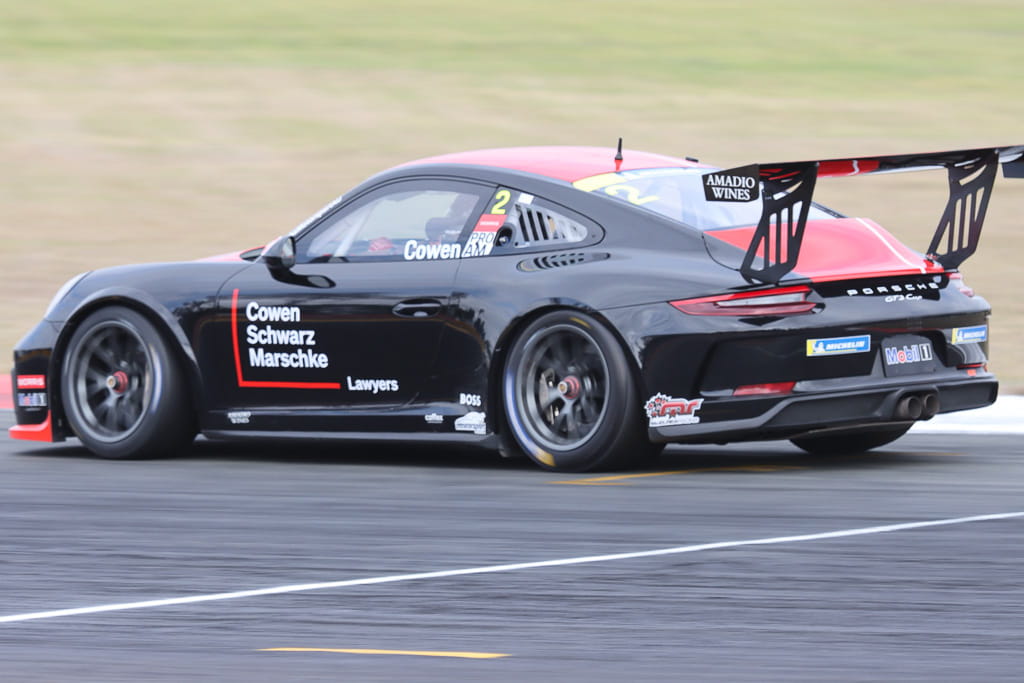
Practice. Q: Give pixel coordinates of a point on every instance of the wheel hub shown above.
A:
(570, 387)
(118, 382)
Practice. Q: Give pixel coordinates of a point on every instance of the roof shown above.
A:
(561, 163)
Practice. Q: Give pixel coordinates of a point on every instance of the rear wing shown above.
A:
(787, 189)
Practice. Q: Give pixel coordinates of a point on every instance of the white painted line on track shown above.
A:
(496, 568)
(1005, 416)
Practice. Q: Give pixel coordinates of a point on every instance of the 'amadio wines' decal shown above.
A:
(734, 185)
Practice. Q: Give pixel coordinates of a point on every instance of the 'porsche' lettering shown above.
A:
(896, 288)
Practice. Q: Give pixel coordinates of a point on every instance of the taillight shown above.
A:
(779, 301)
(764, 389)
(972, 368)
(958, 280)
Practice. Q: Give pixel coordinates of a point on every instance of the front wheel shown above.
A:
(570, 399)
(123, 391)
(847, 442)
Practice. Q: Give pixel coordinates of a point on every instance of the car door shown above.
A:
(347, 339)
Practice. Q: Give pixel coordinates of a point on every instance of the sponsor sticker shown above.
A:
(258, 336)
(31, 381)
(663, 410)
(489, 222)
(837, 346)
(373, 385)
(433, 418)
(968, 335)
(472, 400)
(908, 353)
(428, 251)
(734, 185)
(31, 399)
(474, 421)
(274, 336)
(239, 417)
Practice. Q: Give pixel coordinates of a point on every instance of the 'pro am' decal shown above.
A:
(734, 185)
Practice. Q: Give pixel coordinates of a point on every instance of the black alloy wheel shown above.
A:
(123, 392)
(569, 395)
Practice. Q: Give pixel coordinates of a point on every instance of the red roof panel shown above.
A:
(562, 163)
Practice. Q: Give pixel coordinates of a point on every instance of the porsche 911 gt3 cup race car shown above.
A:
(583, 306)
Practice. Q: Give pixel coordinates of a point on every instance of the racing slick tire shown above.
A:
(123, 390)
(570, 399)
(847, 442)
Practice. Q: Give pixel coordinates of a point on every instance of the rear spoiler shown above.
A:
(787, 189)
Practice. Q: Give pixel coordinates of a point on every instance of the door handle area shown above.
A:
(417, 308)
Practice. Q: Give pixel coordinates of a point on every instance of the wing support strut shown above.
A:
(787, 190)
(776, 244)
(961, 222)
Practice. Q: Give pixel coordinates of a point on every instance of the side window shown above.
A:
(392, 222)
(521, 221)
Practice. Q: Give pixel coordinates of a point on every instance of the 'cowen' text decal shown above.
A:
(299, 351)
(479, 243)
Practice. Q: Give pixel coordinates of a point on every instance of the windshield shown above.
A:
(677, 193)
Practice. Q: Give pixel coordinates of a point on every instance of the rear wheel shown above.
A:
(123, 390)
(569, 396)
(842, 443)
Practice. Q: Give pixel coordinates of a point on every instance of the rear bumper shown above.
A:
(801, 413)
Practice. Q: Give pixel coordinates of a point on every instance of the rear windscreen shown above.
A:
(677, 193)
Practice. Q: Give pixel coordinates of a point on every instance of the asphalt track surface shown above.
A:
(906, 564)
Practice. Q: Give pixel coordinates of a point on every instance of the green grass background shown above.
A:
(140, 131)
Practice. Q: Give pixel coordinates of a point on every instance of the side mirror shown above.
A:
(280, 254)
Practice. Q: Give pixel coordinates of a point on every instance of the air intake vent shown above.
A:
(535, 226)
(549, 261)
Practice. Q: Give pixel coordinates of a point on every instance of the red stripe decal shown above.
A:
(252, 384)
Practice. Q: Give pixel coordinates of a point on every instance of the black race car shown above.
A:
(581, 305)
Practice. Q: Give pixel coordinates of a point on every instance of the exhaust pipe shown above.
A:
(909, 408)
(930, 405)
(915, 407)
